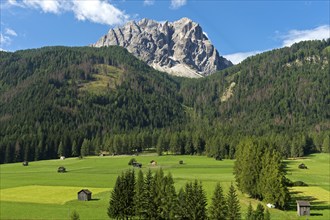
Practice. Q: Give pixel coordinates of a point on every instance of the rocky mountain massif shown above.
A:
(178, 48)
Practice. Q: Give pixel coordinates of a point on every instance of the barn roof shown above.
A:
(85, 191)
(303, 203)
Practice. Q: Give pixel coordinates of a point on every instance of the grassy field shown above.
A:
(39, 192)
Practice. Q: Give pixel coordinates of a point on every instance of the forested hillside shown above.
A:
(79, 101)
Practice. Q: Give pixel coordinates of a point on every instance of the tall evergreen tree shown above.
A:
(170, 198)
(249, 213)
(140, 198)
(74, 149)
(233, 204)
(192, 202)
(267, 215)
(148, 205)
(259, 212)
(61, 150)
(121, 205)
(218, 208)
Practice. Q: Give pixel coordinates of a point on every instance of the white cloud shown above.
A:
(236, 58)
(175, 4)
(294, 36)
(97, 11)
(10, 32)
(4, 40)
(148, 2)
(6, 37)
(51, 6)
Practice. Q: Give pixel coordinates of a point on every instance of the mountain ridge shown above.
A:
(179, 48)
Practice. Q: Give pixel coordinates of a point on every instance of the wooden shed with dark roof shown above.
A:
(303, 208)
(84, 195)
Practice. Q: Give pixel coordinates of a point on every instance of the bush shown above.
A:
(299, 183)
(131, 161)
(61, 170)
(302, 166)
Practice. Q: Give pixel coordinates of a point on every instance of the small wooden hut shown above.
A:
(303, 208)
(84, 195)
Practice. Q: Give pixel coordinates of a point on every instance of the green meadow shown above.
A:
(39, 192)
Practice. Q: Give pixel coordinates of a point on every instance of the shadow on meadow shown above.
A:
(315, 205)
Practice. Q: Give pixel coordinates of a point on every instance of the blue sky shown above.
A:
(236, 28)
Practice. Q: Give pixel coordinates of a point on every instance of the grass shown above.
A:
(44, 194)
(107, 78)
(39, 192)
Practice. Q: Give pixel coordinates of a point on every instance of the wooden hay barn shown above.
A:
(303, 208)
(84, 195)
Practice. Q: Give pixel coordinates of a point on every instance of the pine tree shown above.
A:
(158, 194)
(140, 198)
(160, 145)
(74, 149)
(233, 204)
(148, 205)
(181, 211)
(192, 202)
(218, 208)
(259, 212)
(326, 144)
(249, 214)
(272, 180)
(170, 199)
(267, 215)
(60, 151)
(84, 151)
(116, 204)
(121, 203)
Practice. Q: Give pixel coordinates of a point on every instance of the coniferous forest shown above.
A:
(62, 101)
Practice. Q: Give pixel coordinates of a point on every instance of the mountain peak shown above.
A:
(178, 48)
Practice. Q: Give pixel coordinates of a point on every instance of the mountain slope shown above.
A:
(281, 90)
(71, 101)
(179, 48)
(46, 97)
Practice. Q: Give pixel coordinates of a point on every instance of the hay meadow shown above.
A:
(37, 191)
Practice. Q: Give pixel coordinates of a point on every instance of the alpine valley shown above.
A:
(55, 99)
(155, 98)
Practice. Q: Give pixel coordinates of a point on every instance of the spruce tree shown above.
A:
(74, 149)
(116, 204)
(192, 202)
(121, 205)
(218, 208)
(250, 213)
(259, 212)
(139, 195)
(169, 199)
(233, 204)
(148, 205)
(182, 210)
(267, 215)
(60, 150)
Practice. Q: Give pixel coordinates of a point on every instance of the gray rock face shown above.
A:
(178, 48)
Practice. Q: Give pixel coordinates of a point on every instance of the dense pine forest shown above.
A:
(83, 101)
